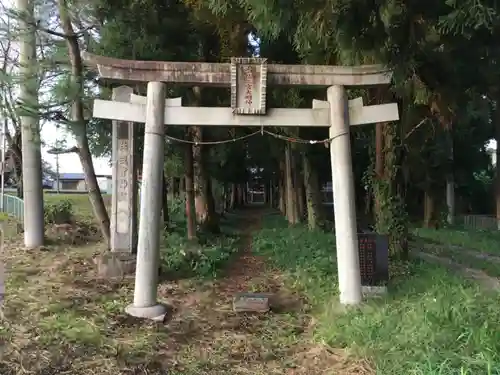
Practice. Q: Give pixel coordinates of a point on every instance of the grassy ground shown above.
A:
(80, 202)
(478, 249)
(58, 318)
(472, 259)
(484, 241)
(431, 323)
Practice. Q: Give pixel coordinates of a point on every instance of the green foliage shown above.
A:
(308, 257)
(204, 258)
(59, 212)
(480, 240)
(430, 323)
(179, 257)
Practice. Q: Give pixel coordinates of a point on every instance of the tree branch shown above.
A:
(64, 35)
(60, 151)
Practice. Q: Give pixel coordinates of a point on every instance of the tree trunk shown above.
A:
(497, 163)
(270, 194)
(18, 177)
(390, 213)
(282, 187)
(224, 198)
(379, 161)
(15, 156)
(200, 184)
(240, 196)
(34, 233)
(295, 185)
(282, 197)
(176, 187)
(211, 204)
(205, 213)
(233, 199)
(429, 208)
(182, 184)
(313, 193)
(95, 195)
(290, 189)
(19, 189)
(450, 183)
(205, 208)
(298, 183)
(164, 203)
(80, 129)
(189, 185)
(301, 207)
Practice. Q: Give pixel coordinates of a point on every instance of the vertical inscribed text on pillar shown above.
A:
(123, 205)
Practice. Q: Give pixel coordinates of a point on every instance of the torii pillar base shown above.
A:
(156, 312)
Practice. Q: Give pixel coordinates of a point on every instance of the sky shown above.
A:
(68, 163)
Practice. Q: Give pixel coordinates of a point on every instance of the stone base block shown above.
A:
(156, 312)
(115, 265)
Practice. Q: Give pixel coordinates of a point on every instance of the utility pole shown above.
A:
(3, 166)
(57, 147)
(58, 188)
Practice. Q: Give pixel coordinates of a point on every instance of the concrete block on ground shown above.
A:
(251, 302)
(373, 291)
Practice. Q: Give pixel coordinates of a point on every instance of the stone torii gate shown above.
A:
(248, 79)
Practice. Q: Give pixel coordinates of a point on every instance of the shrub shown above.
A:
(59, 212)
(182, 258)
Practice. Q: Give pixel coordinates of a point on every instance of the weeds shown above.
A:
(431, 323)
(182, 257)
(204, 257)
(60, 212)
(481, 240)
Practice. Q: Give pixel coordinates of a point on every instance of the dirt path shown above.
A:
(242, 270)
(62, 321)
(279, 342)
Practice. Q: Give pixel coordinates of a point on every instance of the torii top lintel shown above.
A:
(219, 74)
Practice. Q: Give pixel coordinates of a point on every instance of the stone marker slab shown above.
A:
(373, 259)
(251, 302)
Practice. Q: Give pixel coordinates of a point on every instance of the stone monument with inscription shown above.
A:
(124, 200)
(124, 181)
(248, 79)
